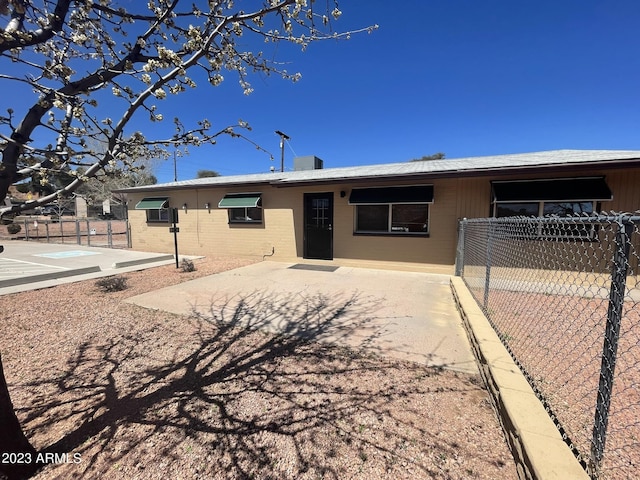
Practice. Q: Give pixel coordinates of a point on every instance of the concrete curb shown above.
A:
(535, 442)
(10, 282)
(131, 263)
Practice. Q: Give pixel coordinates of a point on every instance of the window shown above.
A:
(392, 210)
(243, 207)
(517, 209)
(245, 215)
(564, 209)
(157, 209)
(372, 218)
(159, 215)
(566, 197)
(392, 218)
(542, 209)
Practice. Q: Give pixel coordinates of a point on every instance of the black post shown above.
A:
(175, 230)
(611, 337)
(283, 137)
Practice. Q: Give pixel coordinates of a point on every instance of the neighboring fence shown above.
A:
(91, 232)
(563, 294)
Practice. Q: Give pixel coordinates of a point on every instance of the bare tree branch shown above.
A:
(46, 38)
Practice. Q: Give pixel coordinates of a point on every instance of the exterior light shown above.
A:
(184, 206)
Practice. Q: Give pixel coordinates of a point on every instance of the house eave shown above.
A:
(466, 173)
(285, 181)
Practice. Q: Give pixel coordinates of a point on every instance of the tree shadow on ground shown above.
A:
(242, 389)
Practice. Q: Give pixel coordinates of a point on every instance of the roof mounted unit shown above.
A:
(309, 162)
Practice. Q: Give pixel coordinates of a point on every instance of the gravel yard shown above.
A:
(140, 394)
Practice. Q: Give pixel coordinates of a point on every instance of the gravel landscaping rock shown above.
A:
(133, 393)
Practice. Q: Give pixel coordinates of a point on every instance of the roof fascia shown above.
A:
(154, 188)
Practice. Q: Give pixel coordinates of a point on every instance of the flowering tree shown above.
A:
(90, 66)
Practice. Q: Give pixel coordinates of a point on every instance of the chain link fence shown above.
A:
(90, 232)
(563, 294)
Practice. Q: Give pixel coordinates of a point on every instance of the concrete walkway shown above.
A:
(32, 265)
(403, 315)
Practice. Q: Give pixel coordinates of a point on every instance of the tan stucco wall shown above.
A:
(207, 232)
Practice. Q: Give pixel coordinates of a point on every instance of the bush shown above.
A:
(13, 228)
(112, 284)
(187, 265)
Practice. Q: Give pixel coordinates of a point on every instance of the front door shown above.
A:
(318, 225)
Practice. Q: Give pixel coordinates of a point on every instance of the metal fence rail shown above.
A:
(91, 232)
(563, 294)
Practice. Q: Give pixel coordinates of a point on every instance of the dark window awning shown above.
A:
(558, 190)
(412, 194)
(241, 200)
(152, 203)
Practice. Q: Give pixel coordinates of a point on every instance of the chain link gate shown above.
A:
(563, 295)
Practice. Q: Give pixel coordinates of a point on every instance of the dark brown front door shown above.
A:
(318, 226)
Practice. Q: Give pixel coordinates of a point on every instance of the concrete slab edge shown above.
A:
(535, 442)
(131, 263)
(10, 282)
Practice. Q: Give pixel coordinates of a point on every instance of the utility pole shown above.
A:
(283, 137)
(175, 167)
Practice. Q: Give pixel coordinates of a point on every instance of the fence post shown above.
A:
(109, 234)
(78, 236)
(26, 230)
(611, 337)
(487, 278)
(460, 250)
(88, 232)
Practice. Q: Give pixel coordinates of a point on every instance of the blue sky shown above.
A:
(462, 77)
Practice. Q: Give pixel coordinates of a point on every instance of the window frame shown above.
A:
(582, 190)
(595, 205)
(236, 221)
(390, 221)
(543, 229)
(162, 212)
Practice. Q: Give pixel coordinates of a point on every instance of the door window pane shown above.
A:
(320, 212)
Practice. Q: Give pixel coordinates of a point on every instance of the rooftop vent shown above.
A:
(309, 162)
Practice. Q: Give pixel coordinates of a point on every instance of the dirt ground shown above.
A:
(132, 393)
(558, 340)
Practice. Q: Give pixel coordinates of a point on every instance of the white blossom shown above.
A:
(216, 79)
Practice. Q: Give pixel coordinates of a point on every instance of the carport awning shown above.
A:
(241, 200)
(558, 190)
(411, 194)
(152, 203)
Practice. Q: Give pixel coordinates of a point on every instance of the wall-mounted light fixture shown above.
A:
(207, 206)
(184, 207)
